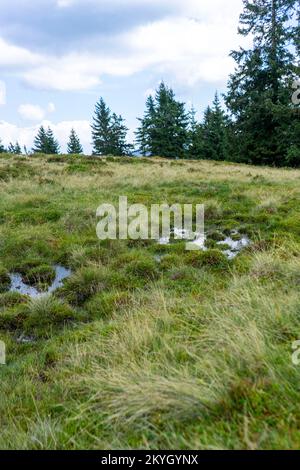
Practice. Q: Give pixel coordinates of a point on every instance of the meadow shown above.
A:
(147, 345)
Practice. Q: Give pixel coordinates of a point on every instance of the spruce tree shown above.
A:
(259, 95)
(101, 129)
(164, 128)
(118, 134)
(2, 149)
(14, 149)
(215, 132)
(143, 133)
(40, 141)
(52, 143)
(74, 145)
(45, 142)
(196, 142)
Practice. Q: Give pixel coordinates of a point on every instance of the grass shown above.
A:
(149, 346)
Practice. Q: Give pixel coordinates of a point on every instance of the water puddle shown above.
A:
(231, 245)
(25, 339)
(18, 285)
(235, 246)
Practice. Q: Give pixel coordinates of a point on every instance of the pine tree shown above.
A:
(143, 133)
(52, 143)
(45, 142)
(18, 149)
(118, 135)
(196, 142)
(14, 149)
(101, 129)
(40, 141)
(164, 128)
(215, 132)
(260, 89)
(109, 132)
(2, 149)
(74, 145)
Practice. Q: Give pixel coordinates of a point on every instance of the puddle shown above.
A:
(25, 339)
(234, 246)
(17, 284)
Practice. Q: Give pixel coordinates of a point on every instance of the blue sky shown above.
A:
(57, 57)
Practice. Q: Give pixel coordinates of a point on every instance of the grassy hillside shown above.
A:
(149, 346)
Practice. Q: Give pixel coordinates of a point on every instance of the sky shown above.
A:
(58, 57)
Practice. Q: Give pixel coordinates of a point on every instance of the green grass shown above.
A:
(149, 346)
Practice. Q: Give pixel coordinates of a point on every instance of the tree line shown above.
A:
(258, 122)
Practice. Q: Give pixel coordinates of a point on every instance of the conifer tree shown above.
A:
(118, 135)
(259, 95)
(164, 128)
(109, 132)
(74, 145)
(2, 149)
(45, 142)
(143, 133)
(40, 141)
(52, 143)
(14, 149)
(215, 132)
(196, 142)
(101, 129)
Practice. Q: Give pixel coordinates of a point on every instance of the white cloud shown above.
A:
(192, 43)
(65, 74)
(14, 56)
(25, 135)
(189, 49)
(32, 112)
(2, 93)
(51, 108)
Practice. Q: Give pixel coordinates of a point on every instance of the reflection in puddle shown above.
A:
(17, 284)
(235, 246)
(25, 339)
(230, 246)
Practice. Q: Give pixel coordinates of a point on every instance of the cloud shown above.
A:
(178, 46)
(14, 56)
(191, 41)
(51, 108)
(25, 135)
(2, 93)
(33, 112)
